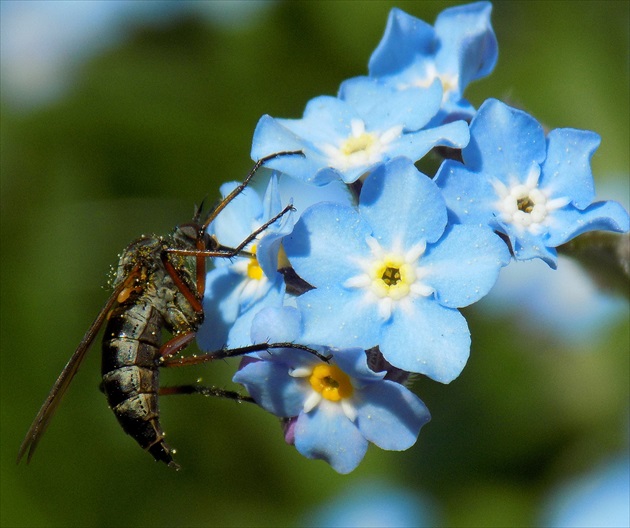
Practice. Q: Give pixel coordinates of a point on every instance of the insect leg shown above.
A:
(244, 184)
(227, 252)
(176, 343)
(205, 391)
(201, 254)
(225, 353)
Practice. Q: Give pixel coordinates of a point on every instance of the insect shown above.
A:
(154, 289)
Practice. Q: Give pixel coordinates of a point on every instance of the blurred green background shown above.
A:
(152, 124)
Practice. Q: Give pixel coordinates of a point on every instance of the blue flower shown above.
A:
(335, 408)
(539, 193)
(374, 503)
(347, 138)
(237, 288)
(392, 274)
(595, 500)
(460, 49)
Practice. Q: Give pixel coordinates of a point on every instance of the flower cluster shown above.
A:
(374, 262)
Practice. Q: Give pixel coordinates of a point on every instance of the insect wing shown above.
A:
(40, 423)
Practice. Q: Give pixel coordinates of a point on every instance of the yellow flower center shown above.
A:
(525, 204)
(254, 271)
(331, 382)
(357, 143)
(391, 277)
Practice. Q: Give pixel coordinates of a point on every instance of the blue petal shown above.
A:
(326, 120)
(271, 202)
(390, 416)
(353, 361)
(405, 37)
(402, 205)
(527, 246)
(429, 339)
(302, 195)
(240, 333)
(271, 386)
(234, 224)
(269, 242)
(569, 222)
(469, 195)
(326, 243)
(383, 107)
(416, 144)
(221, 307)
(504, 142)
(271, 137)
(464, 264)
(339, 318)
(468, 45)
(276, 324)
(326, 434)
(567, 169)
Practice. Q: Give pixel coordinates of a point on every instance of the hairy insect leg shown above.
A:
(176, 343)
(194, 298)
(205, 391)
(201, 254)
(225, 353)
(239, 189)
(227, 252)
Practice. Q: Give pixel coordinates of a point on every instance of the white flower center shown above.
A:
(450, 82)
(525, 205)
(360, 147)
(391, 278)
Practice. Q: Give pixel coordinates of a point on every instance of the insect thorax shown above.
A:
(155, 286)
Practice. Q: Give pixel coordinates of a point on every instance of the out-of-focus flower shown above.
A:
(597, 500)
(374, 505)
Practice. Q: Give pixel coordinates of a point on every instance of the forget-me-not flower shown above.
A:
(335, 409)
(461, 48)
(393, 274)
(237, 288)
(539, 192)
(345, 138)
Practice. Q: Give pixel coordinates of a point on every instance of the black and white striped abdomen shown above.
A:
(130, 372)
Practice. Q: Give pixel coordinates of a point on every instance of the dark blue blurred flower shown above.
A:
(393, 274)
(460, 48)
(537, 192)
(336, 408)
